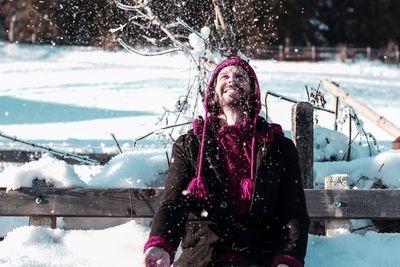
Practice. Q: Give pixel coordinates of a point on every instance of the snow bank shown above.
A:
(383, 168)
(35, 246)
(330, 145)
(146, 167)
(138, 169)
(369, 250)
(54, 171)
(122, 246)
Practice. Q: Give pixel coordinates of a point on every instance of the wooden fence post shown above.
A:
(343, 53)
(336, 181)
(280, 53)
(43, 221)
(11, 34)
(313, 54)
(302, 136)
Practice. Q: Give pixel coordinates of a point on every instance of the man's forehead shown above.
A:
(232, 68)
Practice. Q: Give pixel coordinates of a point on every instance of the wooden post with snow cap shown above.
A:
(370, 114)
(302, 136)
(336, 181)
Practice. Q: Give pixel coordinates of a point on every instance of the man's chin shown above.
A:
(232, 101)
(233, 94)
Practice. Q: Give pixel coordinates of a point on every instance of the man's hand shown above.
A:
(156, 257)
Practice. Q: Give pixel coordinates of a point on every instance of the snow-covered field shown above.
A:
(72, 99)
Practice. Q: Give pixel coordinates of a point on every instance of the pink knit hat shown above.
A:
(197, 187)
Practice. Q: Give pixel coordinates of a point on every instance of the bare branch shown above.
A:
(126, 7)
(131, 20)
(154, 41)
(170, 36)
(186, 26)
(219, 16)
(224, 15)
(162, 128)
(133, 50)
(157, 22)
(172, 25)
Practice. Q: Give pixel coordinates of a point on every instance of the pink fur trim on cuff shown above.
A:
(286, 259)
(158, 241)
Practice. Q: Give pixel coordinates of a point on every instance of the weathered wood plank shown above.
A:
(354, 204)
(84, 202)
(364, 110)
(79, 202)
(22, 156)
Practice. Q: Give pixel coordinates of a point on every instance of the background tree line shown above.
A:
(257, 23)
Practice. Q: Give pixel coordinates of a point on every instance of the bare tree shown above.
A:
(172, 36)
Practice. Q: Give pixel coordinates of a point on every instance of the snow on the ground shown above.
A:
(69, 93)
(138, 169)
(368, 250)
(35, 246)
(122, 246)
(383, 168)
(72, 99)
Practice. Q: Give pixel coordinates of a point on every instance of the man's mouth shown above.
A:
(233, 89)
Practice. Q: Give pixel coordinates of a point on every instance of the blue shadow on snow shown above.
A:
(21, 111)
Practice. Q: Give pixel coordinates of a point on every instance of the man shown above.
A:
(246, 205)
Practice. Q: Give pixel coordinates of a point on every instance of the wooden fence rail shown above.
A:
(313, 53)
(23, 156)
(142, 203)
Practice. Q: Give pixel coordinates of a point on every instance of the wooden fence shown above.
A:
(142, 203)
(43, 204)
(313, 53)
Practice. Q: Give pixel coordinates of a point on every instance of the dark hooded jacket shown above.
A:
(277, 222)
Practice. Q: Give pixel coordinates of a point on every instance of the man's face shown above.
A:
(232, 86)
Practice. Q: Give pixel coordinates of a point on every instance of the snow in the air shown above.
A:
(72, 99)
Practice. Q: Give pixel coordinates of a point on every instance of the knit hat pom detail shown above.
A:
(246, 187)
(198, 189)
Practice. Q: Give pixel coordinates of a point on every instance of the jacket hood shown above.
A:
(254, 104)
(197, 187)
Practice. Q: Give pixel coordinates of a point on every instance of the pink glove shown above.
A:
(156, 257)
